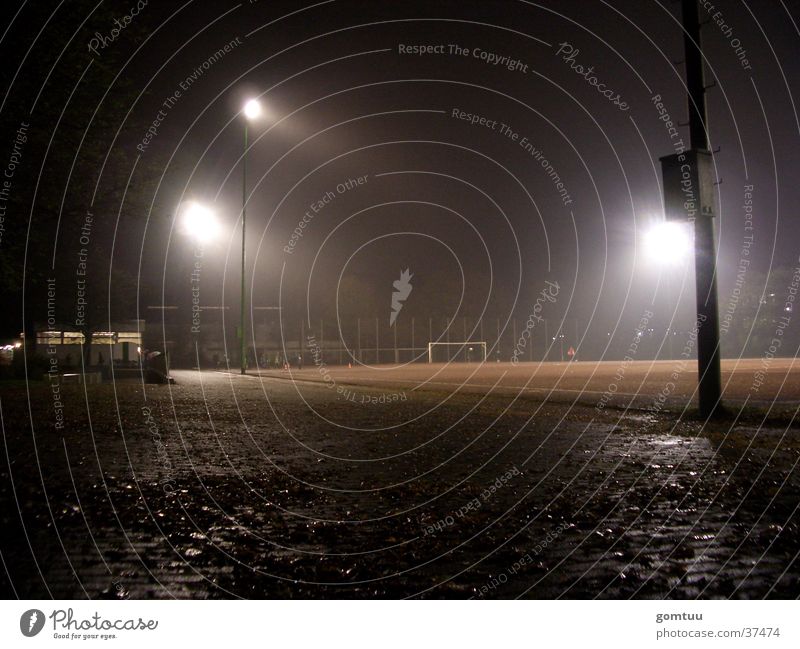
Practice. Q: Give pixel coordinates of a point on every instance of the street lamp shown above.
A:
(251, 111)
(690, 196)
(200, 223)
(667, 243)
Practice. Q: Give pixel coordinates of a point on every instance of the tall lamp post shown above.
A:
(251, 110)
(689, 196)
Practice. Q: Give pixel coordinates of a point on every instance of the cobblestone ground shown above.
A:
(227, 486)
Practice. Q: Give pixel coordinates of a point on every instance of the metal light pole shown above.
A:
(689, 196)
(708, 351)
(252, 109)
(242, 349)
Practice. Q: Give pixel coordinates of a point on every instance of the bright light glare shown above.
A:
(668, 243)
(252, 109)
(200, 222)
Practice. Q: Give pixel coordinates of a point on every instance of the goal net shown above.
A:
(462, 352)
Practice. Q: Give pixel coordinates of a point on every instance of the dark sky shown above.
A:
(465, 207)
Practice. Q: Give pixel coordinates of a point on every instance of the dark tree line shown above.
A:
(66, 217)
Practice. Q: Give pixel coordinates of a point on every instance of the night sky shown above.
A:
(385, 92)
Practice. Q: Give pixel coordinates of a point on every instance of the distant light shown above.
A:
(200, 222)
(252, 109)
(668, 243)
(17, 345)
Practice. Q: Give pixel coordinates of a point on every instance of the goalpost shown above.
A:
(461, 352)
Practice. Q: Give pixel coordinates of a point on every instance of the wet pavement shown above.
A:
(229, 486)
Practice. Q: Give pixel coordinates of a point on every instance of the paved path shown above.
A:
(230, 486)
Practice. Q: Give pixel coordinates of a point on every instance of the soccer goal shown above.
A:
(463, 352)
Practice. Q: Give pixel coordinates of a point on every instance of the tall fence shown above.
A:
(272, 341)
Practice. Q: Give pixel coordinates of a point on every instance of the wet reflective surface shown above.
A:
(230, 487)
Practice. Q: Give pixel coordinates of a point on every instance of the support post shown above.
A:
(413, 350)
(514, 339)
(243, 308)
(546, 342)
(705, 260)
(497, 341)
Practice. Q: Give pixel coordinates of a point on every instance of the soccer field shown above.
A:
(637, 384)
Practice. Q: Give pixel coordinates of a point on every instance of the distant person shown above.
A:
(299, 361)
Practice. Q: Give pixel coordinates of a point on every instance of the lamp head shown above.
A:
(200, 222)
(252, 109)
(668, 243)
